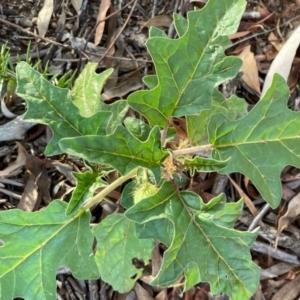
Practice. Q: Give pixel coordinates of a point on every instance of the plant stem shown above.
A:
(192, 150)
(99, 197)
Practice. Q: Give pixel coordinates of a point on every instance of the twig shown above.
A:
(260, 33)
(154, 8)
(31, 33)
(259, 216)
(106, 18)
(278, 254)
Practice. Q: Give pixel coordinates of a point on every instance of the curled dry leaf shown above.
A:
(283, 62)
(38, 170)
(17, 164)
(15, 129)
(6, 112)
(44, 17)
(276, 270)
(247, 200)
(289, 291)
(275, 42)
(104, 6)
(31, 198)
(132, 83)
(159, 21)
(249, 69)
(291, 214)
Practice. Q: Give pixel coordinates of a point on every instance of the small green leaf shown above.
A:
(262, 143)
(53, 106)
(117, 246)
(37, 244)
(137, 128)
(86, 95)
(121, 150)
(201, 164)
(87, 89)
(204, 245)
(190, 67)
(86, 185)
(234, 108)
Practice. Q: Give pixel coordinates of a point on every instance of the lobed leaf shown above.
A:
(37, 244)
(190, 67)
(117, 246)
(87, 183)
(201, 164)
(51, 105)
(233, 107)
(86, 95)
(262, 143)
(121, 150)
(204, 247)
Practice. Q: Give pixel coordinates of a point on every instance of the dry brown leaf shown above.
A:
(249, 69)
(15, 129)
(162, 295)
(273, 39)
(238, 34)
(44, 17)
(66, 170)
(17, 164)
(283, 61)
(77, 5)
(293, 77)
(37, 168)
(276, 270)
(141, 293)
(250, 188)
(293, 212)
(159, 21)
(104, 6)
(31, 198)
(132, 82)
(289, 291)
(247, 200)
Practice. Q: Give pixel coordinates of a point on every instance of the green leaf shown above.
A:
(37, 244)
(86, 185)
(203, 248)
(190, 67)
(137, 128)
(121, 150)
(262, 143)
(234, 108)
(117, 246)
(87, 89)
(159, 229)
(201, 164)
(53, 106)
(86, 95)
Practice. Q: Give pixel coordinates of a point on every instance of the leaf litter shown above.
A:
(46, 27)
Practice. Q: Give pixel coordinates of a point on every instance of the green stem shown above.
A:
(192, 150)
(99, 197)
